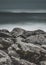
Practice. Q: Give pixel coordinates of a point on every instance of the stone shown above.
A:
(43, 63)
(22, 47)
(5, 42)
(36, 39)
(4, 58)
(18, 61)
(17, 32)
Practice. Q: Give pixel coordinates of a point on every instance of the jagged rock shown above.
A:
(39, 31)
(36, 39)
(5, 42)
(30, 33)
(43, 63)
(3, 34)
(43, 46)
(4, 58)
(4, 30)
(12, 52)
(17, 61)
(17, 32)
(22, 47)
(29, 51)
(1, 46)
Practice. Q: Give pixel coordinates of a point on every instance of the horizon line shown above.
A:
(23, 11)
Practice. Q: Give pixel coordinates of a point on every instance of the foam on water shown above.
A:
(24, 10)
(28, 26)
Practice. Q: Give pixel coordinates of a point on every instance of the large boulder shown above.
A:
(5, 34)
(36, 39)
(17, 61)
(17, 32)
(28, 51)
(30, 33)
(22, 47)
(6, 42)
(43, 63)
(4, 58)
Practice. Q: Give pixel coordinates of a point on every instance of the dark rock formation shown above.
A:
(17, 31)
(22, 47)
(4, 58)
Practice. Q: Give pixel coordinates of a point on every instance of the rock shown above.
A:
(39, 31)
(36, 39)
(18, 61)
(12, 52)
(26, 51)
(29, 51)
(43, 46)
(30, 33)
(5, 42)
(4, 58)
(4, 31)
(3, 34)
(17, 32)
(22, 47)
(43, 63)
(1, 46)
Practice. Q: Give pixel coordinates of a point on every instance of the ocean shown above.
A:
(25, 20)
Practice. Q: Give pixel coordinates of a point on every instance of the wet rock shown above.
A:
(43, 63)
(29, 51)
(18, 61)
(26, 51)
(17, 32)
(4, 30)
(39, 31)
(1, 46)
(3, 34)
(12, 51)
(43, 46)
(30, 33)
(4, 58)
(36, 39)
(5, 42)
(22, 47)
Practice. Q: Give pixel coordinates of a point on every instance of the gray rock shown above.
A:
(28, 51)
(3, 34)
(30, 33)
(18, 61)
(36, 39)
(4, 58)
(22, 47)
(43, 63)
(6, 42)
(4, 30)
(12, 52)
(17, 32)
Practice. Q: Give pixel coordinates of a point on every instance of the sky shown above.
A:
(22, 4)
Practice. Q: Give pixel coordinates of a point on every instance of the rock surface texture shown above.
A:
(22, 47)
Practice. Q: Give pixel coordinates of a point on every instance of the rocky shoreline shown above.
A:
(22, 47)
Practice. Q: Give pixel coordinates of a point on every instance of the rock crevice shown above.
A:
(22, 47)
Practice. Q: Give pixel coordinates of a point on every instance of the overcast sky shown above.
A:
(22, 4)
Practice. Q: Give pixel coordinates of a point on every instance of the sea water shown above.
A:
(29, 21)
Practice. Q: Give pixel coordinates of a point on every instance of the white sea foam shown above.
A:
(24, 11)
(27, 26)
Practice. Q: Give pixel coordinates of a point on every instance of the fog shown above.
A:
(27, 26)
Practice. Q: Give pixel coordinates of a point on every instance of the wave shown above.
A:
(23, 11)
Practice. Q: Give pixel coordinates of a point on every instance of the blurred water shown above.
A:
(27, 26)
(28, 21)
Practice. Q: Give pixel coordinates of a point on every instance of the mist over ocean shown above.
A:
(28, 21)
(31, 14)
